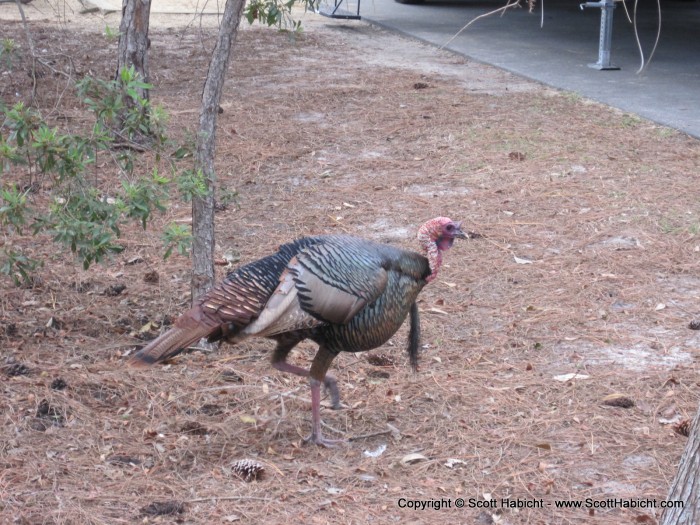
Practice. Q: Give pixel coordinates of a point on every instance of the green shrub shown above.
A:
(82, 215)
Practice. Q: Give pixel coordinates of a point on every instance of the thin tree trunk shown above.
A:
(203, 208)
(133, 51)
(133, 39)
(686, 485)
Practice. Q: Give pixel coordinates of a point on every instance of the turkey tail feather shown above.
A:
(168, 345)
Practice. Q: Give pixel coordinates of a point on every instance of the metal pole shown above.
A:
(606, 27)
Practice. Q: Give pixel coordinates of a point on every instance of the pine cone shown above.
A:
(682, 428)
(248, 469)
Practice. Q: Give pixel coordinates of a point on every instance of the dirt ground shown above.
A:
(586, 264)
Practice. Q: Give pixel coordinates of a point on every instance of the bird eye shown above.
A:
(450, 227)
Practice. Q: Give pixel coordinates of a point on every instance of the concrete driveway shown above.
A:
(558, 54)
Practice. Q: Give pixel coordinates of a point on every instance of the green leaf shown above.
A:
(177, 237)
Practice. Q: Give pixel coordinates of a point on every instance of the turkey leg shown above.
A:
(329, 382)
(279, 362)
(319, 367)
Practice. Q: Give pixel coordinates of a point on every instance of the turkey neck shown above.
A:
(432, 252)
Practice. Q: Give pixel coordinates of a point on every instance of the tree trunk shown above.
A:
(203, 208)
(686, 485)
(133, 39)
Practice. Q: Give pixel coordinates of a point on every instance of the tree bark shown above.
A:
(133, 39)
(203, 207)
(686, 485)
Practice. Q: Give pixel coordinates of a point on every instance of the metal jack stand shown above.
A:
(606, 27)
(330, 9)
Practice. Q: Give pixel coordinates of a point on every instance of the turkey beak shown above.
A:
(459, 234)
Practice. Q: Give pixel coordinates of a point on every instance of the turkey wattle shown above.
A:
(345, 293)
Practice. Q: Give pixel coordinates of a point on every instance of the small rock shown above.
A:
(120, 459)
(618, 400)
(194, 428)
(379, 360)
(114, 290)
(81, 286)
(38, 424)
(231, 377)
(163, 508)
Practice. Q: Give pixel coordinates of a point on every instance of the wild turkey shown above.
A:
(345, 293)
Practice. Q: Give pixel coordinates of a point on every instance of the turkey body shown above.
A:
(390, 281)
(344, 293)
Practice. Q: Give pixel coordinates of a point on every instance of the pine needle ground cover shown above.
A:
(559, 357)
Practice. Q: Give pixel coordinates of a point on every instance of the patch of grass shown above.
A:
(630, 121)
(666, 132)
(570, 96)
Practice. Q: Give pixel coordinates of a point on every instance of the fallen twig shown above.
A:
(373, 434)
(227, 498)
